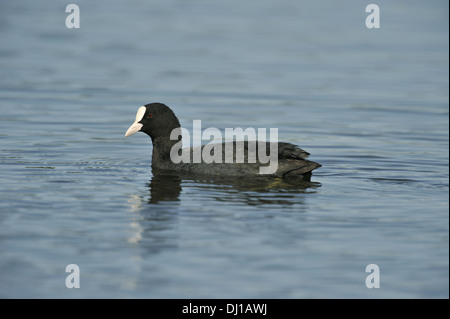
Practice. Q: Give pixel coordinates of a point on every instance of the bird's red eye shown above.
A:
(149, 116)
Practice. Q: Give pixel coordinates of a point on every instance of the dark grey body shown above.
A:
(292, 163)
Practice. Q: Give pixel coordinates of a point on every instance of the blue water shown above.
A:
(370, 105)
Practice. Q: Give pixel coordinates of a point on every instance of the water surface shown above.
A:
(370, 105)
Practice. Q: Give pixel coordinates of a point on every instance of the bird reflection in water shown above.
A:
(153, 226)
(166, 186)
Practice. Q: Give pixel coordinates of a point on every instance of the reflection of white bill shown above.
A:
(135, 237)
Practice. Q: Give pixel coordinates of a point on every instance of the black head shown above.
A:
(154, 119)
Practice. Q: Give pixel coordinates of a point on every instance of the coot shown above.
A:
(158, 121)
